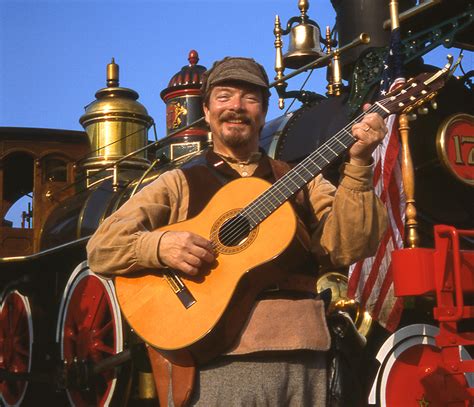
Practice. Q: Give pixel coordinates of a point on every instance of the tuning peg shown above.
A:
(412, 117)
(434, 104)
(423, 110)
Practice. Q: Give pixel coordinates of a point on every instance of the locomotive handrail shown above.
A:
(37, 255)
(452, 234)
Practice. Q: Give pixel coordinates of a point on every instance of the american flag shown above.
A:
(371, 280)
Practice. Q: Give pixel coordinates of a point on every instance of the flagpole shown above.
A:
(408, 173)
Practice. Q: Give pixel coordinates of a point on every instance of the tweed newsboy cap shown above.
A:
(235, 69)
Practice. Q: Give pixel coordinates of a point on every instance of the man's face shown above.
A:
(236, 115)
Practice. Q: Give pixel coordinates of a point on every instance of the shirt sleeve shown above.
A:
(127, 241)
(348, 221)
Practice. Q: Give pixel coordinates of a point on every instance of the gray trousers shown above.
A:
(296, 379)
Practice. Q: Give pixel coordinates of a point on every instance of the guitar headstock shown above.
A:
(417, 91)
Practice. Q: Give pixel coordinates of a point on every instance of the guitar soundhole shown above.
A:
(234, 231)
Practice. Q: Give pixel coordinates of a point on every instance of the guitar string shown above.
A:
(249, 213)
(241, 224)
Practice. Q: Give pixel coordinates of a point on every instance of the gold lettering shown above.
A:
(470, 157)
(457, 147)
(458, 142)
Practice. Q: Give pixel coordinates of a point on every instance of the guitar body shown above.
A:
(224, 294)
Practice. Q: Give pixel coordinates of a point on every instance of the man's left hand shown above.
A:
(369, 133)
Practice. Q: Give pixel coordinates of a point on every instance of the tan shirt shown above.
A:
(349, 224)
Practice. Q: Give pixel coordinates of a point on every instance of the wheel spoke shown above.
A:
(104, 348)
(99, 311)
(104, 330)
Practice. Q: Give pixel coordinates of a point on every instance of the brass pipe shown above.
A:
(408, 176)
(408, 173)
(329, 74)
(411, 12)
(279, 67)
(394, 18)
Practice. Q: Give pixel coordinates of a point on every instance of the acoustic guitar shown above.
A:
(250, 224)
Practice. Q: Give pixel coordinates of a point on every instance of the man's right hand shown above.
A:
(185, 251)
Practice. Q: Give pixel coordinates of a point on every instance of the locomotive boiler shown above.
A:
(62, 335)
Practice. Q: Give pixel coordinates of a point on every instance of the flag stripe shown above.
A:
(371, 280)
(373, 275)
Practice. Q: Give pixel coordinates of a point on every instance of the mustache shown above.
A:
(235, 116)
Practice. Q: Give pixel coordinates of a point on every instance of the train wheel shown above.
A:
(16, 340)
(410, 374)
(90, 330)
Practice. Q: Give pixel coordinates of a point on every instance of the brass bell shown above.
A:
(304, 47)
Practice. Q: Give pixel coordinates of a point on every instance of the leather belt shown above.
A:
(295, 285)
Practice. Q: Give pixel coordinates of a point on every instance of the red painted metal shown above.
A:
(448, 272)
(413, 271)
(415, 378)
(418, 379)
(15, 341)
(89, 335)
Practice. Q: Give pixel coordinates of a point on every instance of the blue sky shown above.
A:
(53, 53)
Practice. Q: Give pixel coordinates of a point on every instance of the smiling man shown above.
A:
(279, 356)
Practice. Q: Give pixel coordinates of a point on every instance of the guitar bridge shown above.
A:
(178, 287)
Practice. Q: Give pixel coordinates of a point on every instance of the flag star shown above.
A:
(391, 52)
(383, 93)
(385, 66)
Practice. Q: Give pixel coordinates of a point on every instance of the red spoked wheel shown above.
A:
(90, 330)
(16, 339)
(412, 371)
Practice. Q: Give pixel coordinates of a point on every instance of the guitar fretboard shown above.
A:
(295, 179)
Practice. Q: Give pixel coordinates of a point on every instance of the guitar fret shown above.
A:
(294, 183)
(296, 169)
(308, 171)
(332, 151)
(324, 158)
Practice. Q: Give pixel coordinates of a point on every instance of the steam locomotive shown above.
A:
(62, 336)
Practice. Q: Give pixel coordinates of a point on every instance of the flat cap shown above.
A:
(235, 69)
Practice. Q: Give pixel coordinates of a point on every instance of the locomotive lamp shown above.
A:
(116, 125)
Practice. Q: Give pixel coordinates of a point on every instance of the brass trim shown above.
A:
(441, 143)
(146, 386)
(412, 12)
(338, 283)
(394, 16)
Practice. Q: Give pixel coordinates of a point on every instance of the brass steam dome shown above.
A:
(117, 124)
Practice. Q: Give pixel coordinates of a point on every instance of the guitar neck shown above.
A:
(295, 179)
